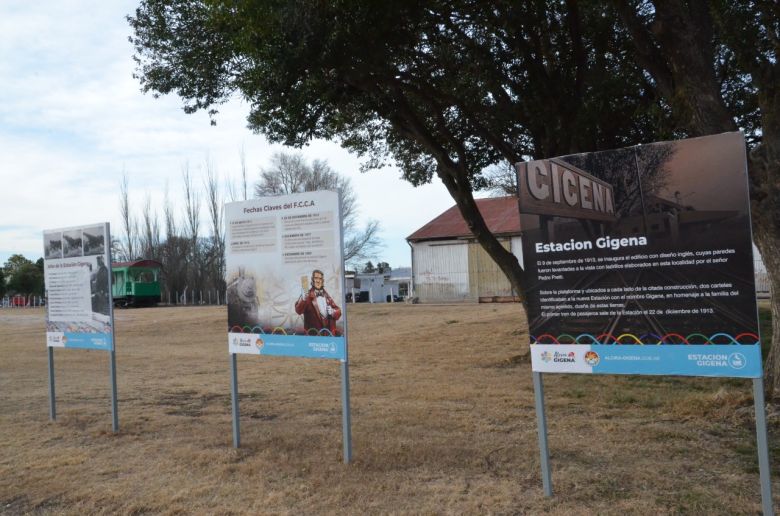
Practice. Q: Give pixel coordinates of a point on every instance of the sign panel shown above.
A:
(661, 280)
(77, 275)
(284, 274)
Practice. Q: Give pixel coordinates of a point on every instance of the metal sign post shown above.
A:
(234, 400)
(763, 447)
(79, 308)
(291, 244)
(346, 416)
(629, 278)
(114, 409)
(346, 425)
(52, 399)
(541, 419)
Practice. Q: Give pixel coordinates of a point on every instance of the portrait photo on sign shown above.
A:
(293, 301)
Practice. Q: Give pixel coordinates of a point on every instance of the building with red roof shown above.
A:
(448, 264)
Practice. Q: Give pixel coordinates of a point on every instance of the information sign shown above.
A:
(285, 276)
(640, 261)
(77, 275)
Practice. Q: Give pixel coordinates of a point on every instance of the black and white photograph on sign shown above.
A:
(99, 287)
(72, 244)
(77, 284)
(627, 242)
(52, 247)
(93, 241)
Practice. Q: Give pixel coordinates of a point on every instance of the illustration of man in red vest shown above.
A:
(317, 307)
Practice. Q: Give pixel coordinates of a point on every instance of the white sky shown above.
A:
(72, 119)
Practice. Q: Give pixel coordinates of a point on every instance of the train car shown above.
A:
(136, 283)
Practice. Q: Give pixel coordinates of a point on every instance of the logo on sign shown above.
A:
(737, 360)
(564, 357)
(592, 358)
(546, 356)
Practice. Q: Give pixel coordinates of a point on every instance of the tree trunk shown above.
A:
(467, 206)
(765, 209)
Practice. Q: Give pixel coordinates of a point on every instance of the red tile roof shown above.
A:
(501, 215)
(138, 263)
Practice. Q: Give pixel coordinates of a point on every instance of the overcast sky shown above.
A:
(72, 119)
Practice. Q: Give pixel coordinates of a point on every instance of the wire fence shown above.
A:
(193, 297)
(170, 298)
(23, 301)
(217, 297)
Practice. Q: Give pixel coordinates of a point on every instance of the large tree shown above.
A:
(448, 88)
(716, 65)
(454, 87)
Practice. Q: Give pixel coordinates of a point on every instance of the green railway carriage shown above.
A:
(136, 283)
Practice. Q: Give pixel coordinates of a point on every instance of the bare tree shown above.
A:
(244, 174)
(215, 253)
(149, 238)
(364, 244)
(502, 179)
(192, 263)
(191, 205)
(129, 225)
(290, 173)
(287, 174)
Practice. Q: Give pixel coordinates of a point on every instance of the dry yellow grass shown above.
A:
(443, 422)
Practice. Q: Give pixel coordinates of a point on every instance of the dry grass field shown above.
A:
(442, 418)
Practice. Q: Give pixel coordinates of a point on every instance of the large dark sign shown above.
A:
(639, 260)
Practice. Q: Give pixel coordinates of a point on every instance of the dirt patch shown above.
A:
(443, 422)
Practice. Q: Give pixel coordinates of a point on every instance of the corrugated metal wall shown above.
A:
(485, 278)
(458, 270)
(441, 271)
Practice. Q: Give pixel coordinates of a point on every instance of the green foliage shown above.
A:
(463, 83)
(2, 283)
(24, 276)
(369, 267)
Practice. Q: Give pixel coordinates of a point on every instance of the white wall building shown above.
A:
(449, 265)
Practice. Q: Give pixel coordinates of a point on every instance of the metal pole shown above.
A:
(52, 400)
(234, 399)
(541, 420)
(114, 413)
(112, 352)
(346, 419)
(763, 447)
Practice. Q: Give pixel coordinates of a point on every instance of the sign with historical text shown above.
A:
(285, 276)
(639, 260)
(77, 277)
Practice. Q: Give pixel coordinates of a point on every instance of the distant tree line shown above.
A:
(192, 248)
